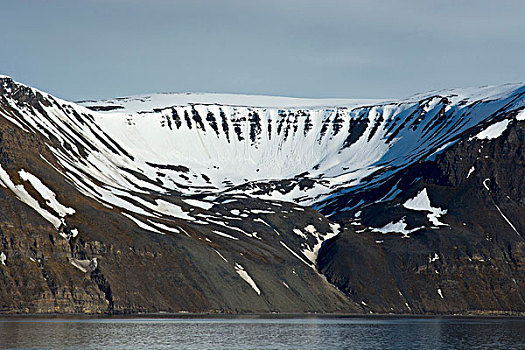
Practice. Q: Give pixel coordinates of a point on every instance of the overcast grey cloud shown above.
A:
(104, 48)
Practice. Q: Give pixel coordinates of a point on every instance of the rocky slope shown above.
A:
(223, 203)
(469, 260)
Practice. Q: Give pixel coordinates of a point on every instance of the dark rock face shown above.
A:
(141, 271)
(476, 264)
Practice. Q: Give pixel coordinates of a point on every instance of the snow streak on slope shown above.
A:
(421, 202)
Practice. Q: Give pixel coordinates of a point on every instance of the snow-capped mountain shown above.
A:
(257, 183)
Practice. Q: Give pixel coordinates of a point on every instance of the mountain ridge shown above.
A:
(233, 185)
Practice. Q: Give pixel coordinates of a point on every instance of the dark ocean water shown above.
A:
(256, 333)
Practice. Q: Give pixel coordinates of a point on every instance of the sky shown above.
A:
(91, 49)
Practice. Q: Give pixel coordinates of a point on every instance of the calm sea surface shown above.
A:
(255, 333)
